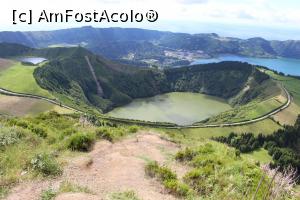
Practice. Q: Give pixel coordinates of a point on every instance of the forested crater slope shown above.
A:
(68, 74)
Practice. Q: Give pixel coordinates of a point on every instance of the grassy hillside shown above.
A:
(49, 140)
(19, 78)
(192, 135)
(290, 83)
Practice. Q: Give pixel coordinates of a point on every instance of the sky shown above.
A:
(272, 19)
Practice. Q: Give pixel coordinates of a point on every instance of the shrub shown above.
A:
(46, 164)
(205, 149)
(10, 135)
(48, 194)
(38, 131)
(20, 123)
(151, 169)
(182, 189)
(104, 133)
(66, 186)
(164, 173)
(81, 141)
(133, 129)
(202, 161)
(68, 132)
(201, 180)
(179, 189)
(185, 155)
(27, 125)
(237, 153)
(192, 175)
(168, 178)
(127, 195)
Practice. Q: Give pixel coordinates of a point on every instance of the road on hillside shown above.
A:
(53, 101)
(248, 121)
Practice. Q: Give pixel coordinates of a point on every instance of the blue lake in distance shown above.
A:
(33, 60)
(286, 65)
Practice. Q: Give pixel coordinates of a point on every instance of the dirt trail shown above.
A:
(112, 168)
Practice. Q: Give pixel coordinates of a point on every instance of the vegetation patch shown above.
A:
(218, 172)
(31, 146)
(45, 164)
(168, 178)
(10, 135)
(113, 134)
(282, 145)
(126, 195)
(64, 187)
(81, 141)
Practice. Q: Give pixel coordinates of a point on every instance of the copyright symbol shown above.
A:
(152, 15)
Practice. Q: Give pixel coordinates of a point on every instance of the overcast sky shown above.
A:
(273, 19)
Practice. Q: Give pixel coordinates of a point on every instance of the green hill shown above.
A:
(69, 75)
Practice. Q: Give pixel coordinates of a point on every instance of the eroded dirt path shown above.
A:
(112, 168)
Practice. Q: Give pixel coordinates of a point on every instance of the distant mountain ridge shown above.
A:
(141, 46)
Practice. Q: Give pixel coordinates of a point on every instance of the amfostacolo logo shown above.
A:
(44, 16)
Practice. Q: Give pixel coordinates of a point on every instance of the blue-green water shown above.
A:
(176, 107)
(285, 65)
(33, 60)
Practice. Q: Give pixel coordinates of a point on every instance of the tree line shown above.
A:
(283, 145)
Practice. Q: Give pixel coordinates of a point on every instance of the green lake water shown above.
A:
(176, 107)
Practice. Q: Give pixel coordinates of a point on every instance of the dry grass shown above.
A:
(288, 116)
(5, 64)
(21, 106)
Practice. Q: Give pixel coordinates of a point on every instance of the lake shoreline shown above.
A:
(182, 108)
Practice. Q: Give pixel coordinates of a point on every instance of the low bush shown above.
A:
(39, 131)
(104, 133)
(163, 173)
(81, 141)
(177, 188)
(49, 194)
(189, 154)
(185, 155)
(66, 186)
(168, 178)
(127, 195)
(10, 135)
(151, 169)
(133, 129)
(45, 164)
(201, 180)
(202, 161)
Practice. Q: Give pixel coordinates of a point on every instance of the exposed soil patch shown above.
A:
(20, 106)
(110, 168)
(5, 64)
(76, 196)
